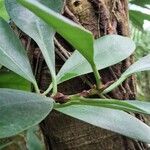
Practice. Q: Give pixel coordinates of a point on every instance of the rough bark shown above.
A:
(61, 132)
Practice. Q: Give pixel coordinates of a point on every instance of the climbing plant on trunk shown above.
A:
(94, 98)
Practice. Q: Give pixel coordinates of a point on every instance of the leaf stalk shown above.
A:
(97, 76)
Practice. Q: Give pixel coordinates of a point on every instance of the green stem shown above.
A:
(37, 90)
(97, 76)
(102, 96)
(113, 104)
(114, 85)
(2, 146)
(54, 86)
(48, 90)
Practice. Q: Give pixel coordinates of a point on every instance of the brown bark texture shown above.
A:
(62, 132)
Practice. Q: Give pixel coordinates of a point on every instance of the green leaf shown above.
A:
(37, 29)
(138, 18)
(21, 110)
(142, 64)
(113, 120)
(127, 105)
(12, 53)
(11, 80)
(3, 12)
(79, 37)
(32, 140)
(141, 3)
(108, 50)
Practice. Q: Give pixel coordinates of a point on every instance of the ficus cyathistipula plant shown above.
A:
(40, 23)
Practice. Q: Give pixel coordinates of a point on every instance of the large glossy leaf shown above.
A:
(12, 53)
(142, 64)
(21, 110)
(127, 105)
(11, 80)
(36, 28)
(108, 50)
(79, 37)
(114, 120)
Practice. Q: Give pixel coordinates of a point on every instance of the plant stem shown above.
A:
(102, 96)
(97, 76)
(54, 81)
(7, 144)
(48, 90)
(111, 103)
(52, 85)
(114, 85)
(37, 90)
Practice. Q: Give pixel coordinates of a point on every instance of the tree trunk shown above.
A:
(62, 132)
